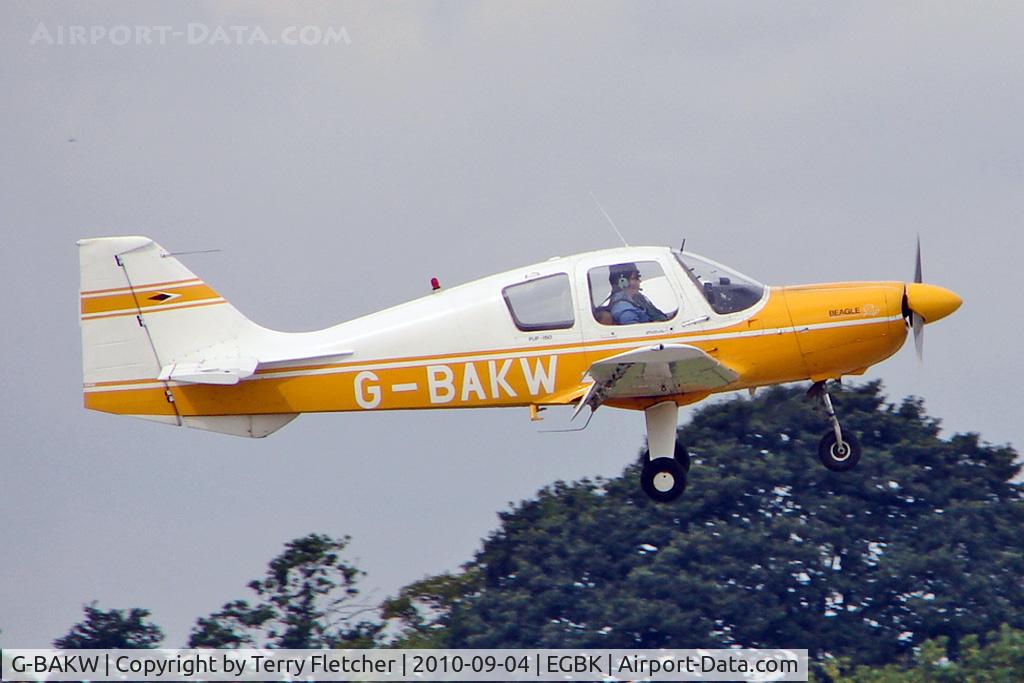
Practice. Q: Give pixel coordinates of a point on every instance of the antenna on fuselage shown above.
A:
(682, 246)
(614, 227)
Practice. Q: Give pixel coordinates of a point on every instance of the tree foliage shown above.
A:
(421, 609)
(307, 599)
(125, 629)
(999, 660)
(766, 548)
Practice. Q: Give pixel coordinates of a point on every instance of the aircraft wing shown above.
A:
(661, 370)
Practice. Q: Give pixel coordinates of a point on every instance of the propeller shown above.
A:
(923, 304)
(916, 321)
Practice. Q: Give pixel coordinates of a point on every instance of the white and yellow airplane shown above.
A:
(160, 344)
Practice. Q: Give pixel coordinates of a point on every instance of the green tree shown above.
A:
(125, 629)
(766, 548)
(307, 599)
(999, 660)
(421, 609)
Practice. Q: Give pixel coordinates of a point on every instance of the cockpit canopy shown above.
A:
(646, 288)
(726, 290)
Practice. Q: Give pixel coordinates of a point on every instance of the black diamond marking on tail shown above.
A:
(162, 296)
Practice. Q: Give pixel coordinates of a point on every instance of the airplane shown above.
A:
(641, 328)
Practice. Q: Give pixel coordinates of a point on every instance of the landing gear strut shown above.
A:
(837, 451)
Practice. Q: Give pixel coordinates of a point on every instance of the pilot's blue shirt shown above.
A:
(625, 312)
(639, 309)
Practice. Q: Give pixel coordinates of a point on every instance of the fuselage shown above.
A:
(528, 336)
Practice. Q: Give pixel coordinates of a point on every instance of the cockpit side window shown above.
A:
(726, 290)
(630, 293)
(541, 304)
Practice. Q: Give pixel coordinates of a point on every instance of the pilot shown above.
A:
(627, 304)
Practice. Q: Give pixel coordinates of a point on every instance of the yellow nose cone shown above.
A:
(931, 302)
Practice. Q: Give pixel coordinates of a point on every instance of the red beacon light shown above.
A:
(435, 284)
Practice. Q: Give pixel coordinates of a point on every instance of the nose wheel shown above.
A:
(836, 456)
(837, 451)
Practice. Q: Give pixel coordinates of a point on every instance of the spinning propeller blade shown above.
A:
(917, 265)
(924, 304)
(916, 321)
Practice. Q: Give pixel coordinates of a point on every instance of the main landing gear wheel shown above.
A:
(663, 479)
(839, 457)
(682, 456)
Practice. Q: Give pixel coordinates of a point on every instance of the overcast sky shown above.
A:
(797, 142)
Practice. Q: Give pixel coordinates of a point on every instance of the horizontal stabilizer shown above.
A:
(294, 355)
(214, 371)
(228, 371)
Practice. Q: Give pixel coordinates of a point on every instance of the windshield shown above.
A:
(726, 290)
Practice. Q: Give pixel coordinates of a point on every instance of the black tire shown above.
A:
(682, 457)
(836, 458)
(663, 479)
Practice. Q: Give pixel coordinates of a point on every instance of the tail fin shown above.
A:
(146, 320)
